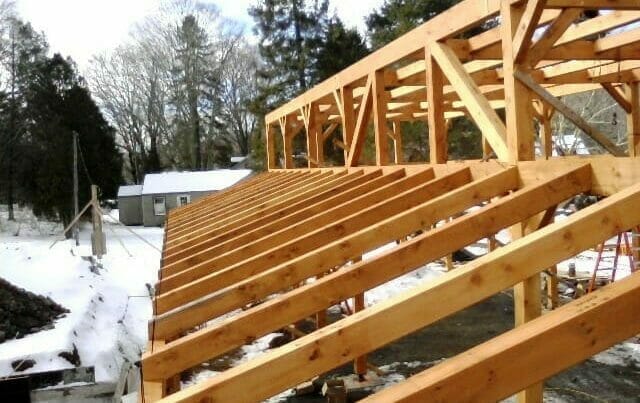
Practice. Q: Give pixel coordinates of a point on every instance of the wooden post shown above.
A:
(309, 115)
(487, 151)
(519, 116)
(633, 130)
(360, 363)
(520, 145)
(348, 119)
(448, 259)
(397, 143)
(437, 126)
(545, 134)
(319, 135)
(287, 142)
(633, 119)
(552, 287)
(271, 147)
(380, 118)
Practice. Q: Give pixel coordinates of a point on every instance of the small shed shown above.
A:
(130, 204)
(165, 191)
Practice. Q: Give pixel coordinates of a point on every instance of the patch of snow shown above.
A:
(129, 190)
(623, 354)
(109, 307)
(183, 182)
(258, 347)
(379, 251)
(200, 376)
(404, 283)
(388, 380)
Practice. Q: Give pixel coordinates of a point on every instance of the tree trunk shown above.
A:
(10, 182)
(298, 40)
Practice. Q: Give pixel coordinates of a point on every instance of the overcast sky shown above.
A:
(81, 28)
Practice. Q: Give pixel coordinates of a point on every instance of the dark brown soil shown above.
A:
(23, 312)
(589, 381)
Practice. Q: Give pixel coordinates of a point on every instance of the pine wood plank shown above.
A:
(495, 369)
(388, 320)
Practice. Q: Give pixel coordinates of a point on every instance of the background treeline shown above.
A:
(301, 44)
(190, 88)
(43, 100)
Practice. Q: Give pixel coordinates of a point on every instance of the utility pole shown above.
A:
(76, 228)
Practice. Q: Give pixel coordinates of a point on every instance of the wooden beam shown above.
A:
(520, 143)
(599, 137)
(546, 139)
(519, 119)
(360, 131)
(324, 197)
(633, 119)
(523, 34)
(550, 36)
(250, 196)
(226, 288)
(291, 241)
(264, 204)
(477, 105)
(199, 219)
(618, 95)
(438, 153)
(340, 342)
(314, 134)
(598, 25)
(348, 119)
(461, 232)
(443, 25)
(270, 141)
(497, 368)
(329, 131)
(221, 246)
(287, 143)
(292, 307)
(398, 152)
(380, 118)
(594, 4)
(230, 195)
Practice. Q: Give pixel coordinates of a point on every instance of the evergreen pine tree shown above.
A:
(393, 19)
(23, 48)
(341, 48)
(189, 74)
(57, 104)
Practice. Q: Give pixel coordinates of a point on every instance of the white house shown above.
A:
(148, 204)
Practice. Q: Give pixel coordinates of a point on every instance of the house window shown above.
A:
(184, 199)
(159, 207)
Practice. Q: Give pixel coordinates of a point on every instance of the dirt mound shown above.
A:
(23, 312)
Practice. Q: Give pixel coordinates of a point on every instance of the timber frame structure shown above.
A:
(235, 265)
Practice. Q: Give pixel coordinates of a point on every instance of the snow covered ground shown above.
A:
(109, 305)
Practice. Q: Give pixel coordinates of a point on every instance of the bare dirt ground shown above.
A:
(590, 381)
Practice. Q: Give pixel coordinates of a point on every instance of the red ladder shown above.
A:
(623, 236)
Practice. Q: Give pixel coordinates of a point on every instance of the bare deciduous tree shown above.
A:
(168, 90)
